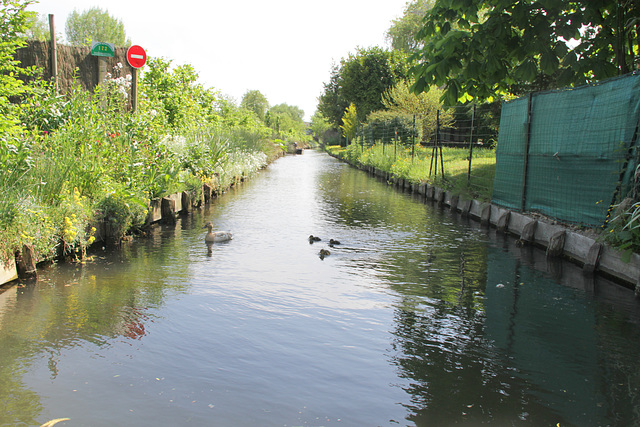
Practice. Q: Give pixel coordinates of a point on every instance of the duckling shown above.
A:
(216, 236)
(313, 238)
(324, 253)
(333, 242)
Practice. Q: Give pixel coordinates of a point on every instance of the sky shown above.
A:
(283, 48)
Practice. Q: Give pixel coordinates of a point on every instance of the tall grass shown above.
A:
(82, 161)
(424, 164)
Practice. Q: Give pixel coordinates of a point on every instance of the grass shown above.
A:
(418, 164)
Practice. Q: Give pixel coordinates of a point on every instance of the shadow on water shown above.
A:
(417, 317)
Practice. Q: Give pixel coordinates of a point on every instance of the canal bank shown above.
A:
(556, 239)
(165, 209)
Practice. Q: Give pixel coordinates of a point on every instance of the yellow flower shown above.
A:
(90, 240)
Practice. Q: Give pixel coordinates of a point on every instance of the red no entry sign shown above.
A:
(136, 56)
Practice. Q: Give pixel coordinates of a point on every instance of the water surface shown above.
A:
(418, 317)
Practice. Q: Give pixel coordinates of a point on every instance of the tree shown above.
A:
(349, 122)
(361, 79)
(177, 90)
(38, 27)
(95, 24)
(13, 25)
(286, 120)
(319, 125)
(486, 50)
(401, 101)
(255, 101)
(331, 104)
(403, 31)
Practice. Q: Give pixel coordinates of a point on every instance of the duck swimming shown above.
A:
(313, 238)
(216, 236)
(333, 242)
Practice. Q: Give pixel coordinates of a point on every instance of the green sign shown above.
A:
(103, 49)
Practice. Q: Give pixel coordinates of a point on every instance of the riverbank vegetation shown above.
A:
(446, 59)
(424, 164)
(72, 161)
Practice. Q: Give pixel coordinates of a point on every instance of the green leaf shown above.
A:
(549, 63)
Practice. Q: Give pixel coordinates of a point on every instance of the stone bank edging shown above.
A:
(556, 239)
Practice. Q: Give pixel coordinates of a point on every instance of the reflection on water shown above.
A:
(417, 318)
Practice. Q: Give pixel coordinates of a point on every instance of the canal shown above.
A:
(418, 317)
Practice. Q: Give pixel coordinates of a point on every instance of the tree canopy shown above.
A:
(13, 25)
(95, 24)
(403, 31)
(487, 49)
(287, 120)
(255, 101)
(361, 79)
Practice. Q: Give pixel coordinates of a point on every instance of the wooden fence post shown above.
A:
(54, 52)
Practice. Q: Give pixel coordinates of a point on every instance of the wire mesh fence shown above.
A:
(452, 146)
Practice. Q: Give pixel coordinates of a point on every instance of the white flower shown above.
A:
(119, 65)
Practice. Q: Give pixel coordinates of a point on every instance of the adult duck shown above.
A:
(216, 236)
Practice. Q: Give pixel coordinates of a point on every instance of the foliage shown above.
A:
(319, 125)
(361, 79)
(414, 164)
(487, 50)
(390, 127)
(37, 27)
(95, 24)
(332, 103)
(349, 122)
(287, 122)
(255, 101)
(13, 24)
(403, 31)
(424, 107)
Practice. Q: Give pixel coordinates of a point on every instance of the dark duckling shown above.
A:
(313, 238)
(324, 253)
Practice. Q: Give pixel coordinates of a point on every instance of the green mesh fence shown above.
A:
(569, 154)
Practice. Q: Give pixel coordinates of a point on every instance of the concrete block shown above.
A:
(612, 263)
(485, 215)
(503, 222)
(517, 222)
(453, 203)
(8, 272)
(591, 263)
(544, 231)
(556, 244)
(476, 209)
(496, 213)
(431, 190)
(465, 207)
(529, 231)
(577, 246)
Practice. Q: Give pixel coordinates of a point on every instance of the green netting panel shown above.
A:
(507, 183)
(581, 142)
